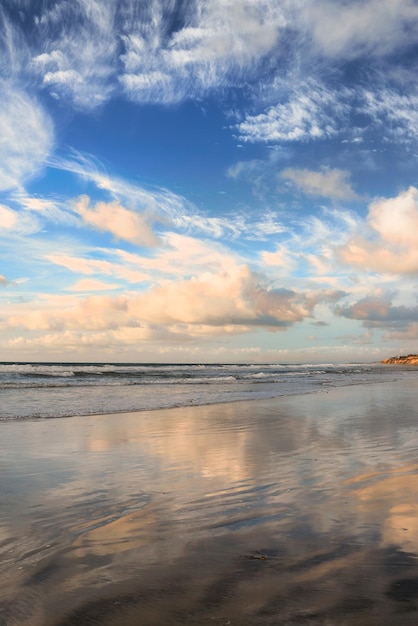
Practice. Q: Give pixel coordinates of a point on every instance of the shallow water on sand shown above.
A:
(298, 510)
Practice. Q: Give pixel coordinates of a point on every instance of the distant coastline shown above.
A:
(409, 359)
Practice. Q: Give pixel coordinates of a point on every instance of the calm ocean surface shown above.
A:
(42, 390)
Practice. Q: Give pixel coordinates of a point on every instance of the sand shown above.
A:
(300, 510)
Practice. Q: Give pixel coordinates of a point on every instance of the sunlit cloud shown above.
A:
(246, 210)
(388, 241)
(116, 219)
(88, 285)
(99, 267)
(330, 183)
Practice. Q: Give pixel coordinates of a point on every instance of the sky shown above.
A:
(208, 180)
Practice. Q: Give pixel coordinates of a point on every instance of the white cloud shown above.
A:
(389, 240)
(217, 41)
(396, 219)
(353, 29)
(79, 51)
(394, 113)
(329, 183)
(311, 112)
(26, 137)
(116, 219)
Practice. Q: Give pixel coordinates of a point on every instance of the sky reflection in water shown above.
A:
(302, 508)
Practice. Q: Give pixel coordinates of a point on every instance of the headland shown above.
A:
(409, 359)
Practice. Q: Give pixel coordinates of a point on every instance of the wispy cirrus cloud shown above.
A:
(26, 137)
(87, 79)
(216, 42)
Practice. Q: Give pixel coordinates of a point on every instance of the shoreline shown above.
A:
(254, 512)
(269, 396)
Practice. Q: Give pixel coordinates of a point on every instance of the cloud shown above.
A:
(403, 334)
(99, 267)
(353, 29)
(378, 312)
(88, 25)
(396, 219)
(310, 112)
(216, 42)
(157, 51)
(26, 138)
(3, 281)
(233, 297)
(389, 240)
(331, 183)
(116, 219)
(394, 111)
(211, 303)
(14, 222)
(8, 218)
(90, 284)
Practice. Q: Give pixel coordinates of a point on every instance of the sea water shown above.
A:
(44, 390)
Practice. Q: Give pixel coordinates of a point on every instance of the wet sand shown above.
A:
(300, 510)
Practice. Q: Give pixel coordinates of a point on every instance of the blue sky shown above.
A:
(199, 181)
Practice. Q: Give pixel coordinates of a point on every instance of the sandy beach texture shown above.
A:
(300, 510)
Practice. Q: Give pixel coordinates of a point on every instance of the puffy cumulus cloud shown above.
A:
(332, 183)
(26, 138)
(389, 242)
(396, 219)
(311, 112)
(213, 303)
(236, 297)
(3, 281)
(61, 313)
(116, 219)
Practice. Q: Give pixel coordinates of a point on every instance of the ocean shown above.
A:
(46, 390)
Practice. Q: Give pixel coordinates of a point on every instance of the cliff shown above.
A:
(410, 359)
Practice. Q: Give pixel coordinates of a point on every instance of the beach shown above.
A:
(288, 510)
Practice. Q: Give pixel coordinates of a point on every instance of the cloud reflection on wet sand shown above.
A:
(286, 511)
